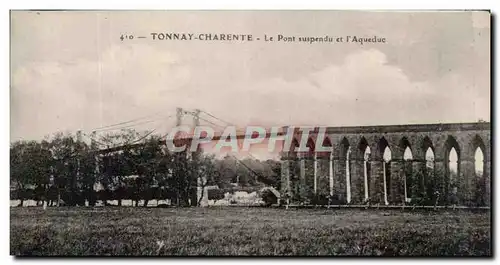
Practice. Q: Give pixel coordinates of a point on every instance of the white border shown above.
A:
(256, 4)
(214, 4)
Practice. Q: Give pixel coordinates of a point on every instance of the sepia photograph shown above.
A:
(320, 133)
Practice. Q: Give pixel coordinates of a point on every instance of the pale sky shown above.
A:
(70, 71)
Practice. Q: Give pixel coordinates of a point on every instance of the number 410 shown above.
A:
(126, 37)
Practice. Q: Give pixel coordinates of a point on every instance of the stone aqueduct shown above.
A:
(349, 175)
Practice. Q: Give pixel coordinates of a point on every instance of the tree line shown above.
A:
(65, 168)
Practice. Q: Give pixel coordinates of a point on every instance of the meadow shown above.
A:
(247, 231)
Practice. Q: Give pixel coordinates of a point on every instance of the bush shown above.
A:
(215, 194)
(268, 197)
(320, 200)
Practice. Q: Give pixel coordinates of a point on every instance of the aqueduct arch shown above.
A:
(350, 174)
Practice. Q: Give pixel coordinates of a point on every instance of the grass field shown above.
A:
(246, 231)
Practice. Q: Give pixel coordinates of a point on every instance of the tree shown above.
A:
(30, 164)
(67, 154)
(272, 174)
(227, 169)
(208, 175)
(144, 160)
(115, 165)
(19, 173)
(87, 176)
